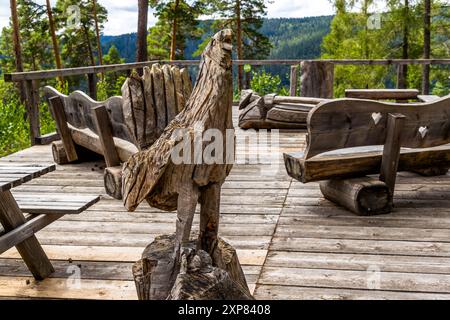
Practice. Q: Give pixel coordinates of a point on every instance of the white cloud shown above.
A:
(122, 15)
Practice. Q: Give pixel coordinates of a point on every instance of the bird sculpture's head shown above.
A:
(220, 47)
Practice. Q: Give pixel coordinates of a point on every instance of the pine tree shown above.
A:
(245, 18)
(177, 23)
(141, 41)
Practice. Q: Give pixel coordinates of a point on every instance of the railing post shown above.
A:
(317, 79)
(92, 85)
(32, 107)
(294, 81)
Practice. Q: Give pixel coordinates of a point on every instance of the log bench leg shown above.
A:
(113, 182)
(364, 196)
(30, 250)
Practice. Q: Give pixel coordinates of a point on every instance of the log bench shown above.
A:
(23, 214)
(120, 126)
(273, 111)
(349, 139)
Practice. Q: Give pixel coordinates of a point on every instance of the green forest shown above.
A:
(70, 34)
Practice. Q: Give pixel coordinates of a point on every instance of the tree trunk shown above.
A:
(426, 47)
(89, 47)
(141, 45)
(97, 33)
(51, 23)
(402, 75)
(239, 43)
(17, 45)
(173, 44)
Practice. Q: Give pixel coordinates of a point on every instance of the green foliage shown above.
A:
(35, 38)
(112, 82)
(264, 83)
(14, 129)
(185, 14)
(350, 38)
(255, 45)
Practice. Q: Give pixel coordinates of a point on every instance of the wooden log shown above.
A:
(382, 94)
(187, 83)
(342, 165)
(84, 154)
(160, 99)
(198, 278)
(317, 79)
(169, 87)
(113, 182)
(30, 250)
(178, 82)
(59, 153)
(363, 196)
(57, 110)
(105, 134)
(91, 142)
(150, 122)
(391, 150)
(294, 81)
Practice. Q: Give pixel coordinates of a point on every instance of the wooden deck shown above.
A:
(293, 244)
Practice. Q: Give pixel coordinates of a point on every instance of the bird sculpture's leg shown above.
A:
(209, 217)
(187, 201)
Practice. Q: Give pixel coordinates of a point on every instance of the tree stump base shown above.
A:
(198, 276)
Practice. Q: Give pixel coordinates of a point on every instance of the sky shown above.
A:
(122, 14)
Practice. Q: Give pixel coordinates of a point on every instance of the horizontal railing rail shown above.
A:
(47, 74)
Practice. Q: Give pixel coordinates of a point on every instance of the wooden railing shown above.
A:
(311, 83)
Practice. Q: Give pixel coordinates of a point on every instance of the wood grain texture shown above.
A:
(382, 94)
(274, 112)
(347, 123)
(316, 79)
(104, 130)
(57, 110)
(30, 250)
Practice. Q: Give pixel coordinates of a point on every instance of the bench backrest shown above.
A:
(78, 108)
(145, 108)
(348, 123)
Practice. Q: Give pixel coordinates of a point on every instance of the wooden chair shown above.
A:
(120, 126)
(350, 138)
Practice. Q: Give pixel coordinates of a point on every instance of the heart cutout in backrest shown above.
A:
(376, 116)
(423, 131)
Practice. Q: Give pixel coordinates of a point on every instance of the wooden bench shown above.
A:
(274, 112)
(19, 230)
(399, 95)
(350, 138)
(120, 126)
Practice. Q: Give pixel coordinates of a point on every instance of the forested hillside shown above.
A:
(291, 38)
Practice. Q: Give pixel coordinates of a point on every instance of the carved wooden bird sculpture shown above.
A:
(152, 174)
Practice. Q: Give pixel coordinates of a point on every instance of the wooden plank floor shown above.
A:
(293, 244)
